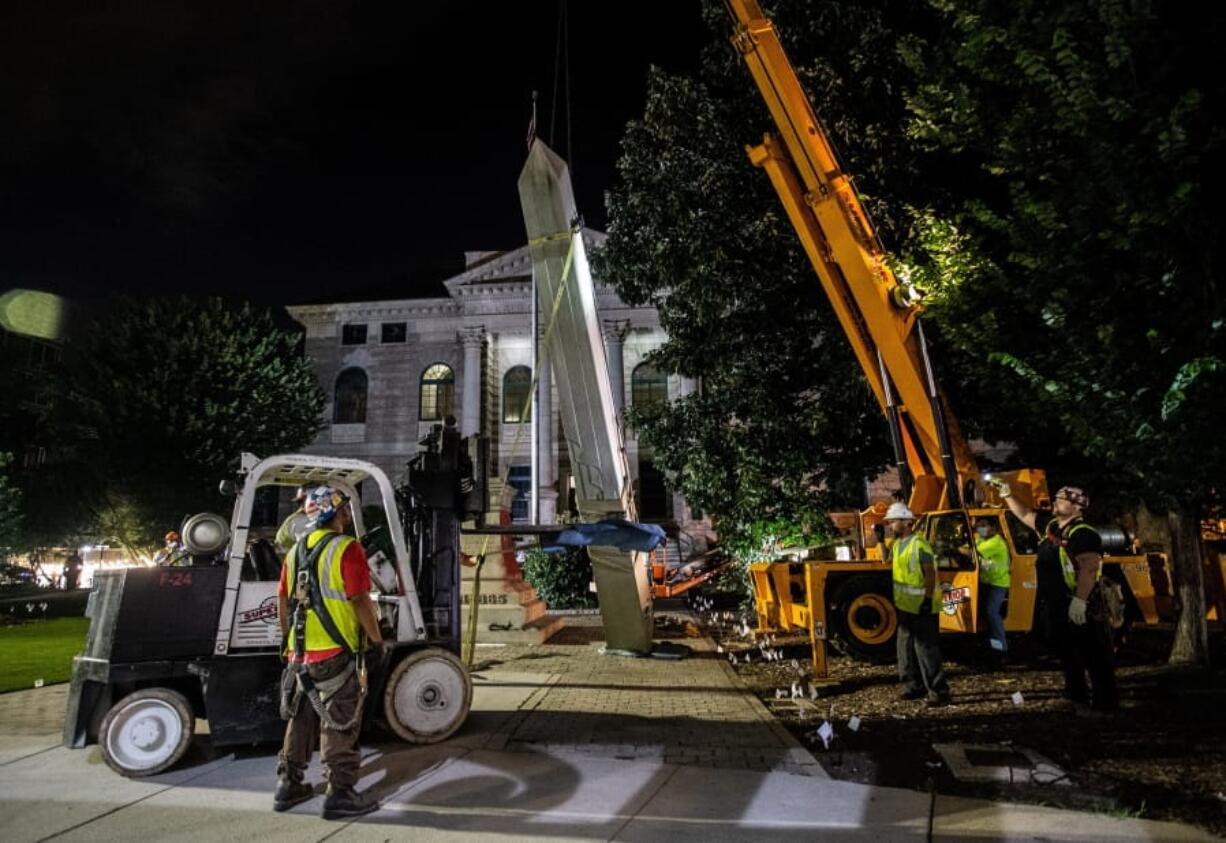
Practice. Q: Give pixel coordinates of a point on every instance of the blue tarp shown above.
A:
(624, 535)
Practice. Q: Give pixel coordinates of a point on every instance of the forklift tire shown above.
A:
(864, 620)
(427, 697)
(146, 732)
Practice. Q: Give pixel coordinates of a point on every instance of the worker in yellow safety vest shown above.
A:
(294, 526)
(915, 584)
(1068, 567)
(324, 607)
(993, 582)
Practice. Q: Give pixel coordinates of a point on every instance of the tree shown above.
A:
(1078, 267)
(10, 509)
(157, 399)
(784, 426)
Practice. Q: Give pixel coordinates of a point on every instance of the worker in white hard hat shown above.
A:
(915, 584)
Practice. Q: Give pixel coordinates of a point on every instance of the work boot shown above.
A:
(911, 694)
(290, 793)
(347, 802)
(937, 700)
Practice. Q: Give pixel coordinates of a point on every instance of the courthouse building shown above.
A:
(393, 369)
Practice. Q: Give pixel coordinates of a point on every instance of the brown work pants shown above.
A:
(338, 750)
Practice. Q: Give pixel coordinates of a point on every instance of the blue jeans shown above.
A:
(993, 607)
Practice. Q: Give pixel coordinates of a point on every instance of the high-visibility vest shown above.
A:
(909, 576)
(332, 591)
(993, 561)
(290, 531)
(1066, 562)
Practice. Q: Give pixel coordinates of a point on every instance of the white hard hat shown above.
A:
(898, 512)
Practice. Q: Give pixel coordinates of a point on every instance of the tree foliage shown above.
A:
(1045, 170)
(1077, 268)
(785, 426)
(156, 401)
(10, 508)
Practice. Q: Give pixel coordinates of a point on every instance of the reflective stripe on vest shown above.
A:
(909, 576)
(332, 590)
(1066, 563)
(993, 561)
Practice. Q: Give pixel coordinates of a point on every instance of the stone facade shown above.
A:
(480, 331)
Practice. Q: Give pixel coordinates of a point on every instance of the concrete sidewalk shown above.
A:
(562, 743)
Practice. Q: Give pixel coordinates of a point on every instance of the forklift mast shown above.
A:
(446, 486)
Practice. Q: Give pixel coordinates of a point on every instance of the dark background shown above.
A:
(299, 151)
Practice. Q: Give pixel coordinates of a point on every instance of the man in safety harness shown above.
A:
(324, 607)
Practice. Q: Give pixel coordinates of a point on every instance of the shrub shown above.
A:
(561, 579)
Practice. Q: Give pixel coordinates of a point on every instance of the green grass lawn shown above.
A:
(39, 650)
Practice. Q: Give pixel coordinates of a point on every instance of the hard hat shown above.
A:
(898, 511)
(321, 505)
(172, 536)
(1074, 495)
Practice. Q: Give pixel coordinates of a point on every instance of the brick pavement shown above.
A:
(689, 712)
(693, 711)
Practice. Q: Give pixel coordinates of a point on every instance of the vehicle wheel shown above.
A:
(146, 732)
(427, 697)
(863, 618)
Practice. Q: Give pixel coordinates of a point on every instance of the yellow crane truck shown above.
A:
(849, 599)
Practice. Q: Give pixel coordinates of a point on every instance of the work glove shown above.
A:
(1002, 488)
(926, 606)
(1077, 611)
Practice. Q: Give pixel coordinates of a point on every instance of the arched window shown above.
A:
(349, 406)
(516, 387)
(437, 393)
(648, 387)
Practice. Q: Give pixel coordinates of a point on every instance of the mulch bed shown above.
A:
(1162, 757)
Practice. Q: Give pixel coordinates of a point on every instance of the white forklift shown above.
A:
(170, 644)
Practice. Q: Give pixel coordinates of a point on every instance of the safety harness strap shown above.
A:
(308, 596)
(306, 571)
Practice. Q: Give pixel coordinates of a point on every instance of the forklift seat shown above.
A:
(261, 563)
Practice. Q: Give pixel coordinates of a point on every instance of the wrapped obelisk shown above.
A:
(566, 297)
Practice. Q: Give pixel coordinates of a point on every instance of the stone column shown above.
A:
(614, 331)
(471, 339)
(547, 496)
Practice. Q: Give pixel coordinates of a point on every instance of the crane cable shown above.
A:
(561, 72)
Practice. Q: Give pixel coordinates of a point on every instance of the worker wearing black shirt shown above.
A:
(1068, 565)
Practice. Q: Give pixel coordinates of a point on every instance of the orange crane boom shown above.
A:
(879, 314)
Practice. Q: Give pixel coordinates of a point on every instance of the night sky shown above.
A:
(303, 151)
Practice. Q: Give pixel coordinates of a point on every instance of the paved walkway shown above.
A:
(691, 711)
(562, 743)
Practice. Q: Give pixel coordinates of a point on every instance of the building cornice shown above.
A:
(374, 309)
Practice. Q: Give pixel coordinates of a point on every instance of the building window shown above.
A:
(648, 387)
(516, 392)
(655, 502)
(353, 334)
(349, 406)
(395, 332)
(519, 477)
(437, 393)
